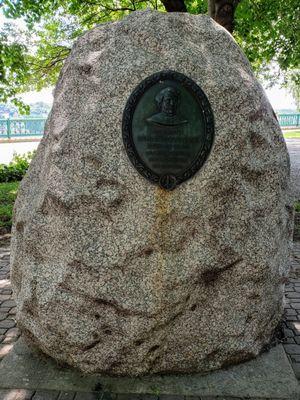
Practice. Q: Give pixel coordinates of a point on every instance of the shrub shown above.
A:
(8, 194)
(17, 168)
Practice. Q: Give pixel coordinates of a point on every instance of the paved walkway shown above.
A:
(9, 334)
(292, 312)
(294, 152)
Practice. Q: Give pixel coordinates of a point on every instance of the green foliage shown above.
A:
(17, 168)
(292, 83)
(8, 194)
(14, 71)
(267, 30)
(297, 206)
(196, 6)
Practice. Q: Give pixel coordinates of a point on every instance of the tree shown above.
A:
(14, 70)
(292, 82)
(267, 30)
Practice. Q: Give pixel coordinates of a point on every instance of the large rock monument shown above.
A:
(151, 233)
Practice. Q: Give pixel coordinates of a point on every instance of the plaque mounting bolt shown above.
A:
(167, 182)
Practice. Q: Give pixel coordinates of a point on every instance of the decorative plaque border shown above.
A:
(168, 182)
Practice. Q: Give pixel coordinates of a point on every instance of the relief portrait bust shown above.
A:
(167, 101)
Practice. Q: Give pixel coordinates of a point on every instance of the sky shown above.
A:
(280, 98)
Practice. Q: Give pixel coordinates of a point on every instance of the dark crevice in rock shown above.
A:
(249, 318)
(85, 69)
(148, 251)
(257, 140)
(130, 256)
(208, 277)
(254, 296)
(29, 310)
(16, 276)
(252, 175)
(274, 338)
(53, 205)
(162, 325)
(117, 202)
(103, 302)
(153, 348)
(119, 309)
(257, 115)
(20, 227)
(277, 337)
(107, 182)
(212, 355)
(30, 306)
(152, 362)
(91, 345)
(93, 160)
(29, 337)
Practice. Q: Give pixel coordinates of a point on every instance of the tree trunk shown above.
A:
(211, 8)
(222, 11)
(174, 5)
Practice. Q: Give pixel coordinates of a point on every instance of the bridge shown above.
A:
(34, 127)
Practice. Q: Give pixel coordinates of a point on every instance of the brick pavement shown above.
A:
(292, 312)
(9, 334)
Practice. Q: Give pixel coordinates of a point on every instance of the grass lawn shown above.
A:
(8, 193)
(291, 134)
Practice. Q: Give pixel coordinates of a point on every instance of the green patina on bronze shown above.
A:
(168, 128)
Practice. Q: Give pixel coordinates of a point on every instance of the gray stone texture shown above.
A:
(113, 275)
(269, 376)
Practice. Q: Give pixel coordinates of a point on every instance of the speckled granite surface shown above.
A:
(112, 274)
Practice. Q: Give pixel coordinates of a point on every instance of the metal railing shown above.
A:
(289, 120)
(21, 127)
(26, 127)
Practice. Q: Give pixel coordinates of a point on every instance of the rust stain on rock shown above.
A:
(161, 233)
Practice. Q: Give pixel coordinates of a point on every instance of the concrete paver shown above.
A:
(66, 396)
(45, 395)
(16, 394)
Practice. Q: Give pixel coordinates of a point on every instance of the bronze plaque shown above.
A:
(168, 128)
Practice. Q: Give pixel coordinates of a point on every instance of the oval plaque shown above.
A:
(168, 128)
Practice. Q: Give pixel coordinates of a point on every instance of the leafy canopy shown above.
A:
(30, 59)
